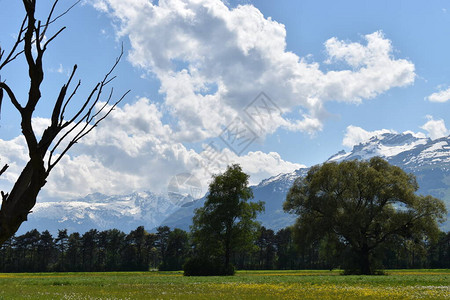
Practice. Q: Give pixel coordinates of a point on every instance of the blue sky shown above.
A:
(335, 73)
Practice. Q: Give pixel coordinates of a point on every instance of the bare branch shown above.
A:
(60, 100)
(19, 202)
(11, 56)
(48, 21)
(107, 113)
(4, 86)
(106, 82)
(80, 111)
(82, 133)
(86, 115)
(62, 14)
(114, 66)
(5, 167)
(37, 38)
(98, 88)
(61, 118)
(28, 38)
(53, 37)
(4, 196)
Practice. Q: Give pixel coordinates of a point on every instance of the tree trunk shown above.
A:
(18, 204)
(365, 266)
(31, 44)
(227, 253)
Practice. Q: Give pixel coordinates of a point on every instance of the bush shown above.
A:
(197, 266)
(171, 264)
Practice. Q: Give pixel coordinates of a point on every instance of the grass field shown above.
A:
(399, 284)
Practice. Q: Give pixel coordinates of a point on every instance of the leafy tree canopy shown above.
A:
(362, 205)
(227, 222)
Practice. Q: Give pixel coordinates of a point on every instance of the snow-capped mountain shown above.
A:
(428, 159)
(404, 150)
(98, 211)
(385, 145)
(272, 191)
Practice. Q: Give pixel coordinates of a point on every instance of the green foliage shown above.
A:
(226, 223)
(362, 205)
(176, 252)
(109, 250)
(115, 250)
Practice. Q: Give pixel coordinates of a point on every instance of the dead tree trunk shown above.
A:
(45, 153)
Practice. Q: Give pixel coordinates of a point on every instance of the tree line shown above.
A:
(360, 216)
(109, 250)
(167, 249)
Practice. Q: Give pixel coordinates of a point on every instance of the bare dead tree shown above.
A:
(62, 134)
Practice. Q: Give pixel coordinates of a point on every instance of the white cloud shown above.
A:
(435, 128)
(212, 61)
(262, 165)
(131, 150)
(355, 135)
(441, 96)
(258, 165)
(13, 153)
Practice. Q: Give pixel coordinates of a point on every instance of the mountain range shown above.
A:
(428, 160)
(98, 211)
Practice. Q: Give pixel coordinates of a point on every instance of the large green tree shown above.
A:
(362, 205)
(227, 221)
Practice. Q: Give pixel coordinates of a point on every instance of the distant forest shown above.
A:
(113, 250)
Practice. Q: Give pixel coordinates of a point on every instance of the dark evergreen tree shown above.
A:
(266, 249)
(162, 241)
(74, 252)
(89, 247)
(177, 251)
(47, 253)
(115, 241)
(439, 252)
(62, 242)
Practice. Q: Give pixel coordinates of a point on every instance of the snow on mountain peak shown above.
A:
(284, 179)
(385, 145)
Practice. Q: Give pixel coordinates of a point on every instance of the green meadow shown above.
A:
(398, 284)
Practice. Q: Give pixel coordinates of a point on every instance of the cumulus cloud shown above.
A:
(355, 135)
(12, 152)
(258, 165)
(441, 96)
(262, 165)
(213, 60)
(133, 150)
(435, 128)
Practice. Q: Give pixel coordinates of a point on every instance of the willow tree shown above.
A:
(361, 205)
(31, 44)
